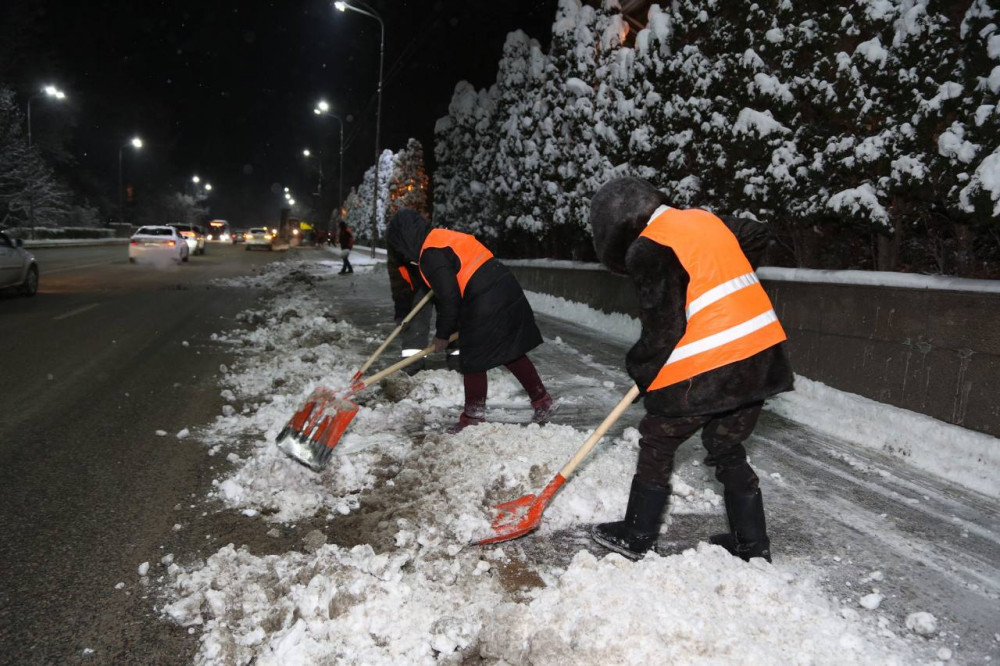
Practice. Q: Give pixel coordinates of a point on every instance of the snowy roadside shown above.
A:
(955, 454)
(400, 584)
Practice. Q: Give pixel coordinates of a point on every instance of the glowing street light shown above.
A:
(136, 143)
(371, 13)
(322, 108)
(48, 91)
(291, 202)
(208, 187)
(195, 179)
(286, 189)
(306, 152)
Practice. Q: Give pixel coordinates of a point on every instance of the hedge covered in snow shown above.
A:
(865, 132)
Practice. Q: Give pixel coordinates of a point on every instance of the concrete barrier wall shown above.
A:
(927, 350)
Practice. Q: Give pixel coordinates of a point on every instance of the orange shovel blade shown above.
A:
(313, 444)
(522, 515)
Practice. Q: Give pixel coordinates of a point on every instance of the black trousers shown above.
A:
(722, 434)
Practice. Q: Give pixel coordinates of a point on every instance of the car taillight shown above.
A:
(135, 242)
(171, 243)
(187, 234)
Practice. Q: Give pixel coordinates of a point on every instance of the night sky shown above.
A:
(226, 89)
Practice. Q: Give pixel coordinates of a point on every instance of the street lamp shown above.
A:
(323, 109)
(136, 143)
(371, 13)
(208, 187)
(319, 156)
(48, 91)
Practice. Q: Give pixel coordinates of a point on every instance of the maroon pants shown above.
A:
(476, 386)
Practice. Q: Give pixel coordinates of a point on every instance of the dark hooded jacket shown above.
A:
(618, 214)
(494, 320)
(404, 294)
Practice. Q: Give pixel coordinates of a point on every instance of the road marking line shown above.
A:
(73, 268)
(73, 313)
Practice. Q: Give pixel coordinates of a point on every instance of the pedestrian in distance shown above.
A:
(709, 354)
(346, 242)
(478, 297)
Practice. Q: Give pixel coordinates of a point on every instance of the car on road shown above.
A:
(259, 237)
(18, 267)
(239, 236)
(193, 236)
(158, 243)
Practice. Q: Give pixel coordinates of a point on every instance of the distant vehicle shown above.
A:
(193, 236)
(239, 236)
(18, 267)
(218, 230)
(259, 237)
(158, 242)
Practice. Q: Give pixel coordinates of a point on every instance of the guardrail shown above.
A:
(74, 242)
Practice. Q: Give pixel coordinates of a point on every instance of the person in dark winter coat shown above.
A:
(346, 242)
(408, 288)
(478, 297)
(708, 356)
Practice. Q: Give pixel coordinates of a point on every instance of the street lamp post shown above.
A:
(371, 13)
(136, 143)
(49, 91)
(324, 109)
(319, 157)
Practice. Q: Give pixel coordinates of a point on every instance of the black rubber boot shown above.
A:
(747, 536)
(637, 534)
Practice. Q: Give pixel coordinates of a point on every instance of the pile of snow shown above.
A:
(405, 501)
(614, 324)
(959, 455)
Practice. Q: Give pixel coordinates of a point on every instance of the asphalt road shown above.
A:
(105, 355)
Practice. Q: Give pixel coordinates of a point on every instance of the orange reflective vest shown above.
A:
(729, 316)
(406, 276)
(471, 253)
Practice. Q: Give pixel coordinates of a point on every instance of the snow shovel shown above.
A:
(312, 433)
(392, 336)
(518, 517)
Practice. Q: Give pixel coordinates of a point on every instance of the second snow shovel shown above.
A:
(518, 517)
(312, 433)
(392, 336)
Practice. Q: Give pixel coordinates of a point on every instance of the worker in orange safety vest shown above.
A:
(709, 354)
(480, 299)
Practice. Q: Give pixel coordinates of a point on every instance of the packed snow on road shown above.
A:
(391, 576)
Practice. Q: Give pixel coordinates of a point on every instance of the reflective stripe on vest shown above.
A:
(471, 253)
(406, 276)
(729, 316)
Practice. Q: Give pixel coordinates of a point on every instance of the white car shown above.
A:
(258, 237)
(193, 236)
(158, 244)
(17, 266)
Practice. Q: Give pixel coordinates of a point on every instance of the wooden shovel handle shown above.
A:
(410, 360)
(595, 436)
(392, 336)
